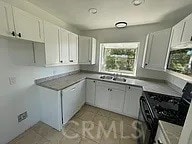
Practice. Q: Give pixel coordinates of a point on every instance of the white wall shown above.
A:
(16, 56)
(129, 34)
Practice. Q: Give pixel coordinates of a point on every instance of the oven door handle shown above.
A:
(142, 111)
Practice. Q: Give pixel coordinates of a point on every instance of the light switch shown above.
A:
(12, 80)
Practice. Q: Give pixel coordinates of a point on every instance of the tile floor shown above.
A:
(103, 127)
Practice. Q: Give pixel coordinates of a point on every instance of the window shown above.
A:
(181, 61)
(119, 58)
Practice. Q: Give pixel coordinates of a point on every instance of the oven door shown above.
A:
(145, 124)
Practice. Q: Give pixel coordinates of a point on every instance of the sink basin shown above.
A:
(119, 79)
(106, 77)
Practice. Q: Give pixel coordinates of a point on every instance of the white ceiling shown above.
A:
(75, 12)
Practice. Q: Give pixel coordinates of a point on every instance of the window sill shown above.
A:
(179, 75)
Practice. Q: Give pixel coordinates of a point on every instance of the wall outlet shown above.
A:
(12, 80)
(22, 117)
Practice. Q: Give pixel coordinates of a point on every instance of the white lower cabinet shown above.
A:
(131, 105)
(73, 98)
(110, 96)
(116, 100)
(160, 138)
(102, 96)
(58, 107)
(90, 91)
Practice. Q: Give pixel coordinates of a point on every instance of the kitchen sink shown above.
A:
(106, 77)
(119, 79)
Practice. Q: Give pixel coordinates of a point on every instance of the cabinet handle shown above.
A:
(129, 87)
(13, 33)
(146, 64)
(71, 61)
(19, 34)
(159, 142)
(61, 61)
(94, 81)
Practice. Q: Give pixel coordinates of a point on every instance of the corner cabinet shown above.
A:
(87, 50)
(6, 24)
(156, 49)
(27, 26)
(58, 107)
(19, 24)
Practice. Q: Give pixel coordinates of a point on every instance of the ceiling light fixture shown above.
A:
(92, 10)
(137, 2)
(121, 24)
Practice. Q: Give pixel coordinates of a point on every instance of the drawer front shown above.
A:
(111, 85)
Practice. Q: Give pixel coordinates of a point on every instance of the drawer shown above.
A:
(160, 138)
(111, 85)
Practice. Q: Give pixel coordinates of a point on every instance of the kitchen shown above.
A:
(50, 69)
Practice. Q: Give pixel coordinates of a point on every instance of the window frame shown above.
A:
(169, 69)
(126, 73)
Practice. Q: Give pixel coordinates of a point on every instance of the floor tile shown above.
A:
(70, 137)
(30, 137)
(114, 126)
(87, 116)
(87, 141)
(94, 133)
(111, 139)
(128, 120)
(88, 108)
(78, 125)
(98, 119)
(115, 116)
(127, 141)
(103, 113)
(54, 136)
(42, 129)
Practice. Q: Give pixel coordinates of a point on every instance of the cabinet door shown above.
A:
(64, 46)
(6, 17)
(80, 94)
(90, 91)
(116, 100)
(177, 32)
(27, 26)
(73, 48)
(92, 54)
(187, 33)
(84, 50)
(68, 103)
(131, 105)
(157, 50)
(51, 43)
(102, 97)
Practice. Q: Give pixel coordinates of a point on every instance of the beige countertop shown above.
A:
(63, 82)
(171, 132)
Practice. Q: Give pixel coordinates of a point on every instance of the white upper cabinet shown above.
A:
(6, 18)
(64, 46)
(177, 32)
(156, 49)
(52, 48)
(27, 26)
(187, 32)
(87, 50)
(73, 48)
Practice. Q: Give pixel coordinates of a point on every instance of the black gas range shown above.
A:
(155, 107)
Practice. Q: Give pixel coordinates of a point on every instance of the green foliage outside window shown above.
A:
(121, 60)
(180, 61)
